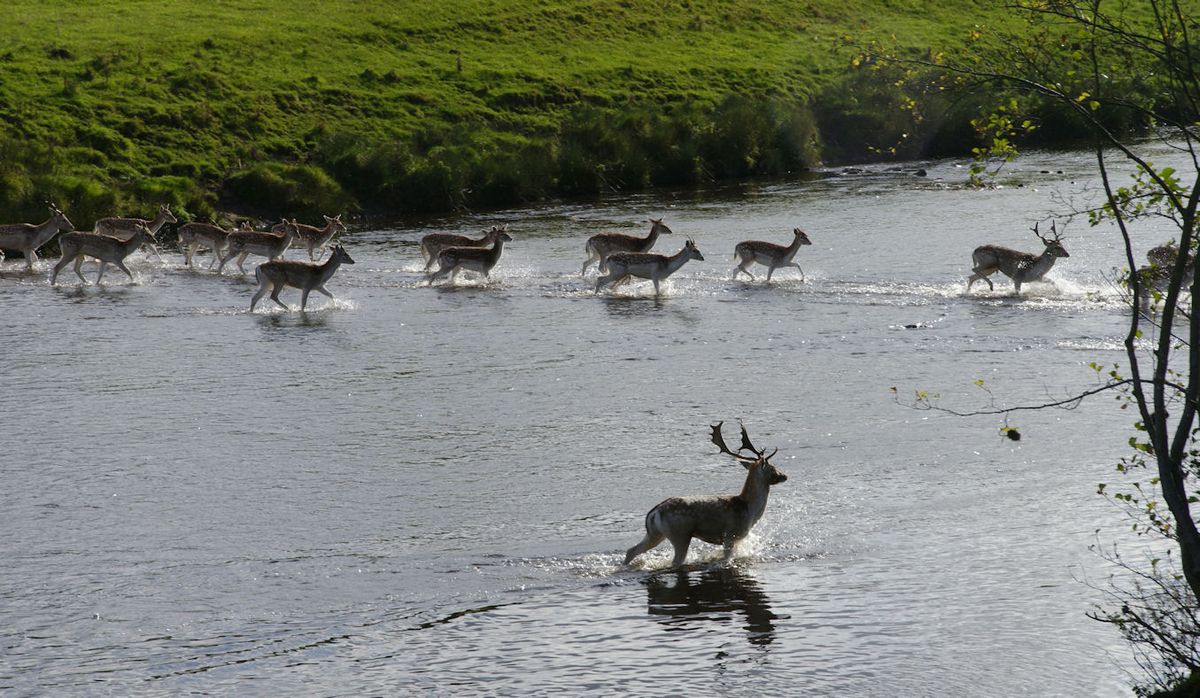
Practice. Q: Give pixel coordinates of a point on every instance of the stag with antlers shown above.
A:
(1021, 267)
(716, 519)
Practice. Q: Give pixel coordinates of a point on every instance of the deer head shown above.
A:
(801, 236)
(1053, 245)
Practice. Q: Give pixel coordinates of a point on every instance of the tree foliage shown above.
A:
(1110, 67)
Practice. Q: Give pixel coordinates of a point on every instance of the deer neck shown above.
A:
(494, 254)
(651, 238)
(677, 260)
(131, 245)
(158, 222)
(47, 230)
(754, 493)
(330, 266)
(1040, 265)
(790, 250)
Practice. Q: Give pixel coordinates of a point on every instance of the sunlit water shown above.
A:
(417, 489)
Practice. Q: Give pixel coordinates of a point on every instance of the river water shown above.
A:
(430, 490)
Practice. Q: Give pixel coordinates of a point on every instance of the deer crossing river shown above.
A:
(413, 489)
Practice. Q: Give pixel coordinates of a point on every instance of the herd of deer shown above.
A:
(719, 520)
(618, 257)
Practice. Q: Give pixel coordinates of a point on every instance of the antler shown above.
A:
(746, 445)
(1053, 231)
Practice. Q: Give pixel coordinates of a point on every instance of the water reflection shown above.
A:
(290, 320)
(632, 306)
(689, 598)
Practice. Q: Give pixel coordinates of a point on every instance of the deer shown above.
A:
(1021, 267)
(109, 250)
(717, 519)
(601, 245)
(313, 237)
(124, 228)
(193, 235)
(452, 260)
(1156, 275)
(433, 244)
(243, 243)
(275, 275)
(769, 254)
(28, 237)
(622, 266)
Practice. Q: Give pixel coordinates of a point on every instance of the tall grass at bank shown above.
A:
(114, 106)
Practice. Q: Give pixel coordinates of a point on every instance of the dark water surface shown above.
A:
(431, 490)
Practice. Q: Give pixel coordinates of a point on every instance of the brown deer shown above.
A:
(433, 244)
(717, 519)
(194, 235)
(275, 275)
(769, 254)
(1156, 275)
(601, 245)
(109, 250)
(623, 266)
(243, 243)
(1021, 267)
(452, 260)
(28, 237)
(124, 228)
(313, 237)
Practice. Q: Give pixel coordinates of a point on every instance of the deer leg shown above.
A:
(78, 268)
(729, 545)
(981, 274)
(304, 298)
(442, 272)
(650, 541)
(103, 266)
(322, 289)
(794, 264)
(121, 265)
(1016, 287)
(62, 263)
(743, 269)
(655, 280)
(242, 258)
(602, 280)
(591, 258)
(276, 289)
(681, 550)
(263, 285)
(31, 258)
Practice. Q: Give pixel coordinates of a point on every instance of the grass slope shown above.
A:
(111, 106)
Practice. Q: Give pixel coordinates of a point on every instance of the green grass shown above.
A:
(112, 106)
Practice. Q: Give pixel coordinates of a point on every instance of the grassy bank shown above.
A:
(283, 107)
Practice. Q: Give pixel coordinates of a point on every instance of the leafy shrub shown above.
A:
(278, 189)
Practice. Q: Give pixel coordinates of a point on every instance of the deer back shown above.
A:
(609, 243)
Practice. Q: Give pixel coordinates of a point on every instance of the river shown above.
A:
(430, 490)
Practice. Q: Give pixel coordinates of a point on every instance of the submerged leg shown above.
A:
(681, 550)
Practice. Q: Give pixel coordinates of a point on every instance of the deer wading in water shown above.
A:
(720, 520)
(1021, 267)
